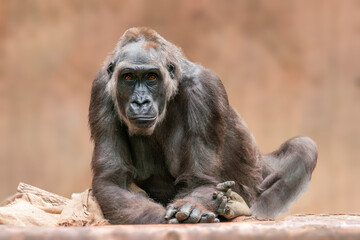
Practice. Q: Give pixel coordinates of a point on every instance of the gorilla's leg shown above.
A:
(286, 174)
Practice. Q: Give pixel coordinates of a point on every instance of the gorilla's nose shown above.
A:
(140, 105)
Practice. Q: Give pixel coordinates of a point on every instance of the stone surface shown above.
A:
(292, 227)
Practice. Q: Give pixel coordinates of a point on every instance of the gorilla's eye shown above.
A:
(152, 77)
(127, 76)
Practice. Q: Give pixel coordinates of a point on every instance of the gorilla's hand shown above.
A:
(187, 212)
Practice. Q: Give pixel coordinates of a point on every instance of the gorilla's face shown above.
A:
(140, 90)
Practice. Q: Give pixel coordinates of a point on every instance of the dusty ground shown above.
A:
(292, 227)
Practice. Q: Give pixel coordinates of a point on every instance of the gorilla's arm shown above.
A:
(112, 167)
(194, 202)
(205, 128)
(111, 189)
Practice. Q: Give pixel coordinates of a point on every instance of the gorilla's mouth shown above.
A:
(143, 121)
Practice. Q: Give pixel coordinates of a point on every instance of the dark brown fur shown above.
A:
(197, 141)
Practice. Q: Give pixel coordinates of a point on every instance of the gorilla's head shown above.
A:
(143, 76)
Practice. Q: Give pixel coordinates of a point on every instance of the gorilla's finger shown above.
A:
(207, 217)
(225, 186)
(216, 220)
(194, 217)
(170, 212)
(219, 198)
(222, 206)
(228, 193)
(183, 212)
(227, 210)
(173, 221)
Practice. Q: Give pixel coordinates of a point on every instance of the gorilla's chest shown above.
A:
(152, 173)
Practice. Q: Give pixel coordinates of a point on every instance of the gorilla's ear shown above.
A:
(171, 69)
(110, 69)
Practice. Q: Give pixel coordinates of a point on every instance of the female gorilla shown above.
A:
(165, 136)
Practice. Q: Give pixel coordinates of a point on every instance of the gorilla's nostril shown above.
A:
(146, 102)
(140, 102)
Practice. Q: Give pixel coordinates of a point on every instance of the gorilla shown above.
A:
(168, 147)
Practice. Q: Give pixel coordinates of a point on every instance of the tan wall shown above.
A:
(290, 68)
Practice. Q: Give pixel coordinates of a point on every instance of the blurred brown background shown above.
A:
(290, 67)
